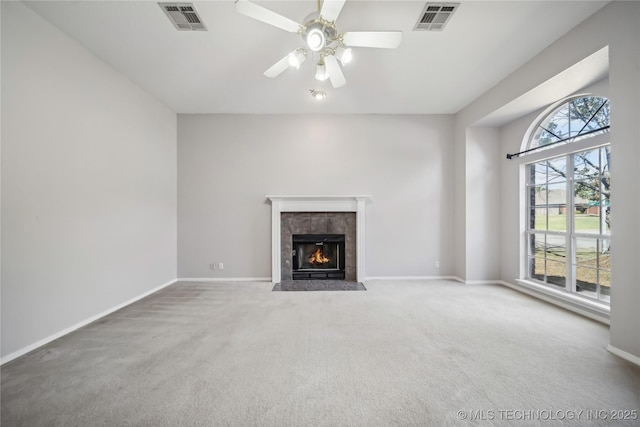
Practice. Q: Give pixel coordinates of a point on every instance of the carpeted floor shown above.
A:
(413, 353)
(318, 285)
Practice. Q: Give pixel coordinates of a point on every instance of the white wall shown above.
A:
(88, 184)
(617, 26)
(227, 164)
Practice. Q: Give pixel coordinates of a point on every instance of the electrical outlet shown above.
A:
(220, 266)
(437, 264)
(213, 266)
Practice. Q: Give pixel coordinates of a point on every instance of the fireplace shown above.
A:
(316, 214)
(318, 256)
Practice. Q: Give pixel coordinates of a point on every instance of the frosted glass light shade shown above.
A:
(344, 55)
(315, 39)
(297, 57)
(321, 72)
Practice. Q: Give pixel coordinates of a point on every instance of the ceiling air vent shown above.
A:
(183, 16)
(435, 16)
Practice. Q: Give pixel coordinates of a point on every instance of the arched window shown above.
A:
(568, 199)
(573, 120)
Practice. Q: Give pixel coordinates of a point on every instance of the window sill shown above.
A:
(591, 309)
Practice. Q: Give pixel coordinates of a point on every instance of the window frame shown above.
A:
(567, 150)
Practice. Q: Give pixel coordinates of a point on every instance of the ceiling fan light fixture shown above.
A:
(344, 55)
(319, 34)
(321, 71)
(297, 57)
(318, 95)
(316, 39)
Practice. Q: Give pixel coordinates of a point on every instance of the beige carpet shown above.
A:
(431, 353)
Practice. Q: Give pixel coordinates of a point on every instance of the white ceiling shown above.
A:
(220, 70)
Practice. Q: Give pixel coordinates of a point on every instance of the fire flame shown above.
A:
(318, 258)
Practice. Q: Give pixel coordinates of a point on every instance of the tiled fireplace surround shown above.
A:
(318, 223)
(317, 215)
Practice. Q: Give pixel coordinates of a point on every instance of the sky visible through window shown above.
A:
(580, 117)
(569, 208)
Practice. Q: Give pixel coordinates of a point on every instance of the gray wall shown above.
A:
(616, 26)
(89, 180)
(482, 175)
(512, 138)
(513, 203)
(227, 164)
(624, 84)
(88, 184)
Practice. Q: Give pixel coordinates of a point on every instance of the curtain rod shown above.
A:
(511, 156)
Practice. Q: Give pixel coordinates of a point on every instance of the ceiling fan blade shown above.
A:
(334, 71)
(260, 13)
(331, 9)
(381, 39)
(278, 68)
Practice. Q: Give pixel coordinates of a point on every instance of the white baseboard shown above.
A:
(410, 278)
(85, 322)
(626, 356)
(475, 282)
(223, 279)
(561, 300)
(482, 282)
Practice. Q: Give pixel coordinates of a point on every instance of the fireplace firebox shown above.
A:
(318, 256)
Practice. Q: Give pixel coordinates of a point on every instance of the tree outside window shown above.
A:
(569, 209)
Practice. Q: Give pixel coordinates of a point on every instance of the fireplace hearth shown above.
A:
(318, 256)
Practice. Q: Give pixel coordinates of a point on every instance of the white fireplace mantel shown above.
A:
(318, 203)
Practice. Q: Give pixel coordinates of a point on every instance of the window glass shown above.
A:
(568, 203)
(572, 121)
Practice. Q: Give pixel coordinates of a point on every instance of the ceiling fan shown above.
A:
(320, 36)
